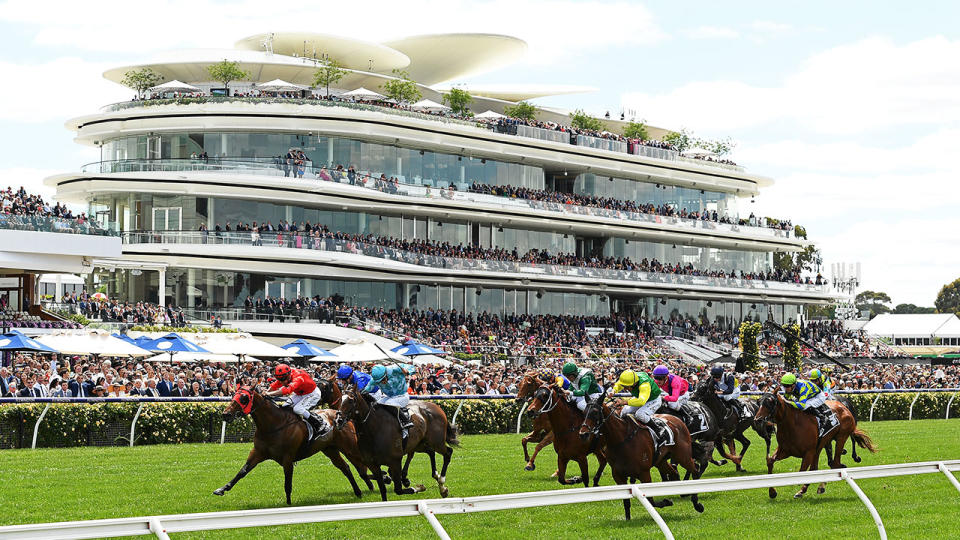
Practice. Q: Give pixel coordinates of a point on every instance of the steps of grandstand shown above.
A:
(691, 351)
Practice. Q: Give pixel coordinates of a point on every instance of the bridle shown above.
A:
(586, 416)
(550, 403)
(771, 403)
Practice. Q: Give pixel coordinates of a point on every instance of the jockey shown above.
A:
(645, 402)
(807, 397)
(823, 381)
(359, 379)
(727, 389)
(675, 389)
(392, 384)
(302, 392)
(583, 382)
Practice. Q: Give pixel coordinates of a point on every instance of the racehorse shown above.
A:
(280, 435)
(731, 426)
(380, 440)
(564, 419)
(329, 392)
(797, 436)
(541, 434)
(704, 440)
(629, 447)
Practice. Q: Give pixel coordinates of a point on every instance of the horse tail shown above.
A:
(453, 435)
(863, 440)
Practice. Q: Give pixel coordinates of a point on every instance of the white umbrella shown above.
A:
(363, 93)
(194, 357)
(279, 85)
(174, 86)
(429, 105)
(698, 152)
(239, 344)
(364, 351)
(489, 114)
(95, 342)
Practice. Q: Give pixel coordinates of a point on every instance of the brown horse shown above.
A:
(565, 419)
(797, 436)
(630, 449)
(541, 434)
(280, 435)
(380, 441)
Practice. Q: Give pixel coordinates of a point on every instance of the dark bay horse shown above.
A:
(280, 436)
(565, 419)
(704, 440)
(797, 436)
(380, 443)
(541, 434)
(731, 426)
(629, 448)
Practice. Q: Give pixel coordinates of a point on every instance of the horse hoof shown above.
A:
(530, 467)
(387, 480)
(219, 491)
(665, 503)
(444, 492)
(420, 488)
(698, 507)
(799, 495)
(555, 474)
(406, 482)
(773, 493)
(857, 459)
(722, 462)
(574, 480)
(357, 493)
(821, 490)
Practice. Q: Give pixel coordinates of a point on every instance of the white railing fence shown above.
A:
(161, 526)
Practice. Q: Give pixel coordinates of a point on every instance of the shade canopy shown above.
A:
(91, 342)
(15, 341)
(364, 351)
(172, 343)
(489, 114)
(193, 357)
(413, 347)
(302, 347)
(429, 105)
(363, 93)
(279, 85)
(174, 86)
(239, 344)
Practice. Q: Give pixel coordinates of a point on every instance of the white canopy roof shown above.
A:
(233, 344)
(97, 342)
(195, 357)
(489, 114)
(279, 85)
(364, 351)
(429, 105)
(174, 86)
(363, 93)
(914, 325)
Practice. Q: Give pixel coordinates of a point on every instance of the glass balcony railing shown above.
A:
(531, 132)
(14, 222)
(518, 269)
(421, 188)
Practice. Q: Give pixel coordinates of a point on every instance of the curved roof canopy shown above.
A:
(520, 92)
(436, 58)
(349, 52)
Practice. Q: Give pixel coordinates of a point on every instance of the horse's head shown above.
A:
(593, 418)
(528, 386)
(768, 408)
(329, 391)
(704, 389)
(242, 403)
(348, 405)
(544, 400)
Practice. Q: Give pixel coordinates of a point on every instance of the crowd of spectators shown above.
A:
(24, 211)
(98, 306)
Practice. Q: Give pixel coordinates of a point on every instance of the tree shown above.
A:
(401, 89)
(226, 72)
(750, 357)
(681, 140)
(802, 260)
(912, 309)
(874, 302)
(721, 147)
(329, 71)
(141, 79)
(523, 110)
(635, 130)
(948, 299)
(458, 100)
(791, 348)
(581, 120)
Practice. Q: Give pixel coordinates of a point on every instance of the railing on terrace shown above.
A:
(531, 132)
(317, 243)
(424, 188)
(52, 224)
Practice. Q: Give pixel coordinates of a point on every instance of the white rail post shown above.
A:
(520, 416)
(866, 501)
(157, 528)
(911, 405)
(652, 511)
(426, 512)
(133, 425)
(947, 416)
(953, 479)
(223, 431)
(873, 404)
(36, 427)
(453, 420)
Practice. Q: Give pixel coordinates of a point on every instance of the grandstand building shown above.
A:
(175, 169)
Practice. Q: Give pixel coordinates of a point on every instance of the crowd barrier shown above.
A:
(161, 526)
(461, 398)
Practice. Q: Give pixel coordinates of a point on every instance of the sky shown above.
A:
(852, 107)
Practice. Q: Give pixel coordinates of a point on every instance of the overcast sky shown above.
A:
(853, 107)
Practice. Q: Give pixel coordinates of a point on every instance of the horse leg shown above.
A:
(436, 475)
(584, 471)
(809, 463)
(523, 443)
(841, 441)
(562, 471)
(777, 456)
(621, 479)
(745, 443)
(645, 478)
(406, 467)
(398, 487)
(288, 477)
(378, 474)
(686, 461)
(443, 471)
(362, 470)
(601, 463)
(253, 459)
(334, 455)
(547, 441)
(721, 446)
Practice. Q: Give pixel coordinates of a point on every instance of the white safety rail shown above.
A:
(161, 526)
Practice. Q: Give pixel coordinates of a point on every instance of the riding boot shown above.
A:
(659, 430)
(319, 428)
(823, 413)
(404, 418)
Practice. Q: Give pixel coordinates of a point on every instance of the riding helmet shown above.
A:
(281, 371)
(716, 371)
(378, 373)
(815, 373)
(628, 378)
(570, 369)
(344, 371)
(788, 379)
(661, 371)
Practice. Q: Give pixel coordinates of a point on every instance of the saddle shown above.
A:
(659, 430)
(317, 427)
(827, 421)
(696, 419)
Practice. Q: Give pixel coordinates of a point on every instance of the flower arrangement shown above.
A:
(749, 332)
(791, 350)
